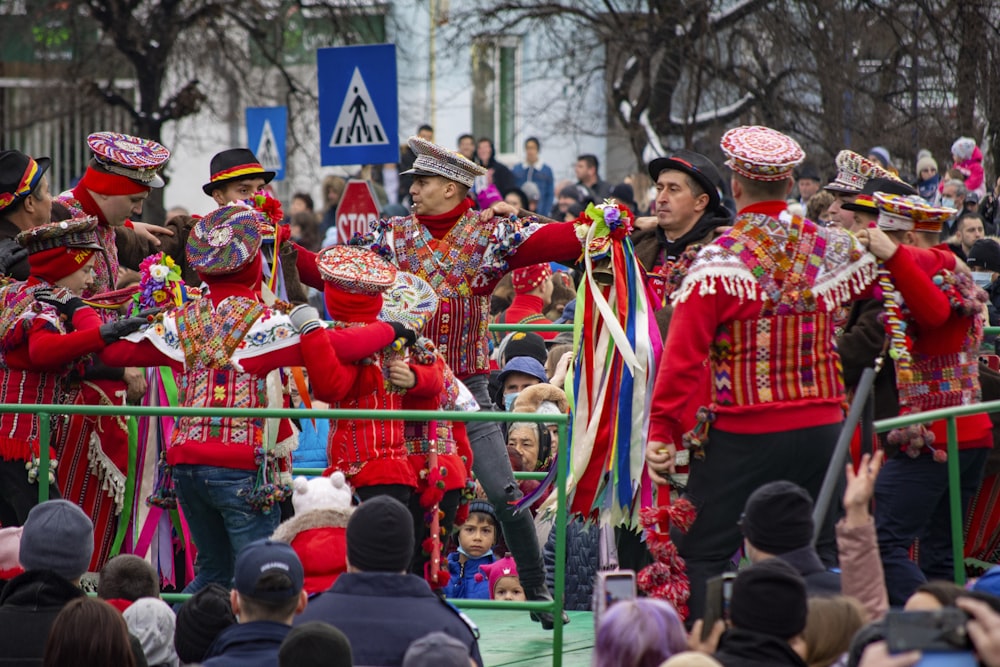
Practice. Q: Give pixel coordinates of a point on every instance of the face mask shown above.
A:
(508, 400)
(982, 278)
(947, 202)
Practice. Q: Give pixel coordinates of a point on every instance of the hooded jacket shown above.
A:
(319, 537)
(744, 648)
(466, 581)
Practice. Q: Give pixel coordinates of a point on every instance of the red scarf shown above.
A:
(439, 225)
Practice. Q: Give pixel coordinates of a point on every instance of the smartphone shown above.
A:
(718, 593)
(940, 634)
(610, 587)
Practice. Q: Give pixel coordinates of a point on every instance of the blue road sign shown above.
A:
(267, 128)
(358, 106)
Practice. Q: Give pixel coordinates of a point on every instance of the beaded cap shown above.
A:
(760, 153)
(529, 277)
(76, 233)
(910, 213)
(225, 240)
(865, 201)
(410, 300)
(132, 157)
(355, 269)
(434, 160)
(853, 171)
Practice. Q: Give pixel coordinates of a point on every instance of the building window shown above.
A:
(495, 78)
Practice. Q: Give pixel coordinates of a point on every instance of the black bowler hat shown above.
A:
(865, 200)
(19, 176)
(233, 165)
(695, 165)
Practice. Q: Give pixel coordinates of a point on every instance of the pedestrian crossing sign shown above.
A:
(267, 128)
(358, 105)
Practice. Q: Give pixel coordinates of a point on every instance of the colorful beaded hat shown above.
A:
(355, 269)
(132, 157)
(853, 171)
(760, 153)
(410, 300)
(225, 240)
(865, 201)
(910, 213)
(19, 176)
(75, 233)
(232, 165)
(434, 160)
(529, 277)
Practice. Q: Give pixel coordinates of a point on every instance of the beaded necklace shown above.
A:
(210, 335)
(452, 265)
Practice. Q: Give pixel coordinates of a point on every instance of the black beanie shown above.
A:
(778, 518)
(200, 620)
(313, 644)
(770, 598)
(380, 536)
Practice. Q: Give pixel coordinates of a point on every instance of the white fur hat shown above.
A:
(331, 492)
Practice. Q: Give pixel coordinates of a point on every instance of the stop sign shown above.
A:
(356, 210)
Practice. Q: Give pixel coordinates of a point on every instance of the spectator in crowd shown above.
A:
(934, 595)
(928, 178)
(638, 633)
(517, 374)
(436, 649)
(88, 633)
(831, 624)
(315, 644)
(952, 195)
(818, 207)
(532, 193)
(56, 545)
(777, 523)
(624, 194)
(25, 202)
(499, 174)
(126, 578)
(968, 230)
(569, 196)
(467, 146)
(152, 622)
(807, 183)
(968, 159)
(533, 170)
(587, 175)
(517, 198)
(199, 621)
(305, 230)
(881, 155)
(379, 606)
(504, 582)
(301, 202)
(984, 260)
(333, 189)
(768, 614)
(267, 595)
(989, 208)
(476, 539)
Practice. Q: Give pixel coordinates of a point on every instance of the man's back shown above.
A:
(253, 644)
(29, 606)
(383, 613)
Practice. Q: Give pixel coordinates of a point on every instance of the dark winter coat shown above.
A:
(382, 613)
(467, 582)
(253, 644)
(28, 607)
(582, 563)
(743, 648)
(819, 580)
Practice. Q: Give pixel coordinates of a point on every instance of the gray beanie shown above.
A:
(57, 536)
(436, 649)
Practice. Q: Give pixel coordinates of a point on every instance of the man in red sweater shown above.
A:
(939, 368)
(755, 311)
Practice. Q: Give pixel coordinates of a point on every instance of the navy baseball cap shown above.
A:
(261, 557)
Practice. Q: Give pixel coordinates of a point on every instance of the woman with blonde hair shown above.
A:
(831, 624)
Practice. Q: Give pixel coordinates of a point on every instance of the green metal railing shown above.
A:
(954, 476)
(45, 412)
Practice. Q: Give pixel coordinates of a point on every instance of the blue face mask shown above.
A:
(982, 278)
(508, 400)
(948, 202)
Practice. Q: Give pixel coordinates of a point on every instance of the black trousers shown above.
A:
(17, 494)
(735, 465)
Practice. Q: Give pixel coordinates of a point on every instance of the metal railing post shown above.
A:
(44, 447)
(955, 503)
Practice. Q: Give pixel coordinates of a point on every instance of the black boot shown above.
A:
(541, 593)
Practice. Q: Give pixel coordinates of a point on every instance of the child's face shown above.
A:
(509, 588)
(476, 535)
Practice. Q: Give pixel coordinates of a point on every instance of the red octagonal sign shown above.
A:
(356, 211)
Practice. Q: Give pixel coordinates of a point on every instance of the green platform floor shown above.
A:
(511, 638)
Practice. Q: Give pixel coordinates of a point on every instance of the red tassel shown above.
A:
(462, 514)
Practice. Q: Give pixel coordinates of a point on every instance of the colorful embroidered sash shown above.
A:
(771, 359)
(459, 331)
(941, 381)
(449, 264)
(210, 335)
(214, 388)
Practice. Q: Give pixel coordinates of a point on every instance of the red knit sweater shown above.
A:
(525, 307)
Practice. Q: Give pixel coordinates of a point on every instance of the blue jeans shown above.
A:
(911, 501)
(222, 522)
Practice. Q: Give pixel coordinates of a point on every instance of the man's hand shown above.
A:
(877, 242)
(660, 460)
(562, 369)
(861, 487)
(499, 210)
(877, 655)
(710, 645)
(135, 379)
(644, 223)
(151, 232)
(984, 630)
(401, 375)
